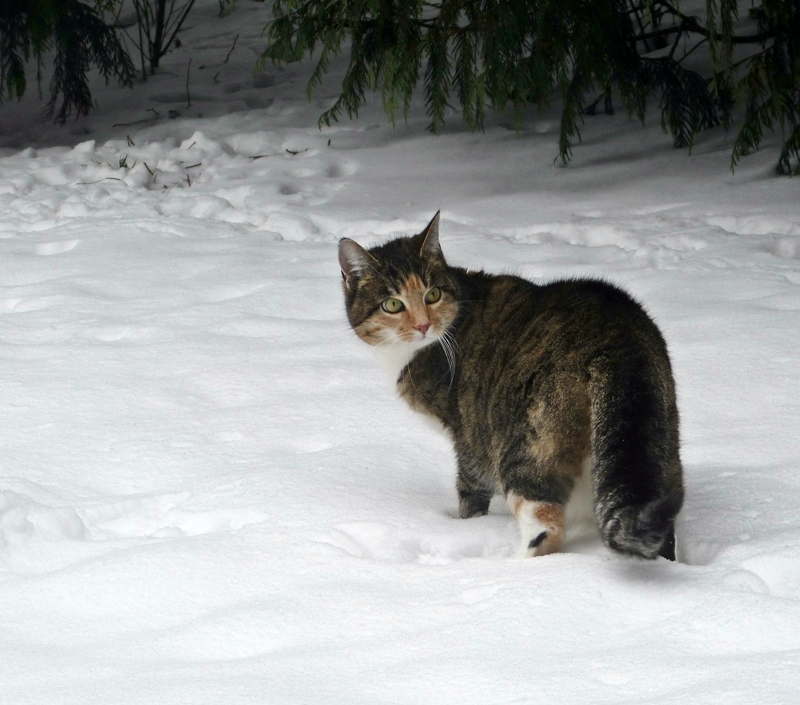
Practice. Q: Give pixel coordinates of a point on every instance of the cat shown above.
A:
(542, 388)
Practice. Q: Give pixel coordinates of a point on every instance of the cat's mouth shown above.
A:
(422, 336)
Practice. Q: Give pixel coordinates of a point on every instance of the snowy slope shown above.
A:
(208, 493)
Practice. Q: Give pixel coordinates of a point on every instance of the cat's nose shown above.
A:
(423, 327)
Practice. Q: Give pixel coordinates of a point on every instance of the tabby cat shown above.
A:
(544, 389)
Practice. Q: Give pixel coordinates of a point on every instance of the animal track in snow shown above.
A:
(484, 537)
(22, 517)
(55, 248)
(21, 305)
(780, 573)
(479, 594)
(490, 536)
(162, 516)
(784, 247)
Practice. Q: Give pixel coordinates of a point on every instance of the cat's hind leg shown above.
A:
(541, 525)
(538, 476)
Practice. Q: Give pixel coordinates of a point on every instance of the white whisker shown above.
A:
(450, 348)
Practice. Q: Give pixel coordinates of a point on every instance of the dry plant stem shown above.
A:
(231, 51)
(157, 29)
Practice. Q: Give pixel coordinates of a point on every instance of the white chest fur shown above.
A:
(393, 359)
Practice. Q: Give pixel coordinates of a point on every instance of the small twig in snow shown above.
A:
(231, 51)
(213, 66)
(128, 124)
(107, 178)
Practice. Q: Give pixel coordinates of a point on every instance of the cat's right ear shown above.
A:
(353, 259)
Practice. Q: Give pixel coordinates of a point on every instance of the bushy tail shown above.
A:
(646, 530)
(638, 486)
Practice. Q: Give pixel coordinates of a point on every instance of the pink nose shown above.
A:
(423, 327)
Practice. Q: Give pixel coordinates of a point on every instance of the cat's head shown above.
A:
(401, 292)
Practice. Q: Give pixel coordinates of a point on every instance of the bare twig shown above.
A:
(107, 178)
(128, 124)
(699, 44)
(138, 122)
(675, 43)
(213, 66)
(178, 23)
(231, 51)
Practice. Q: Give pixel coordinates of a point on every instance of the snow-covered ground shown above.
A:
(208, 494)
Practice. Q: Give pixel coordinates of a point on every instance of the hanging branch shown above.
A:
(500, 53)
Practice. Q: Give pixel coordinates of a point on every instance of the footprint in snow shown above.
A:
(163, 516)
(169, 515)
(485, 537)
(55, 248)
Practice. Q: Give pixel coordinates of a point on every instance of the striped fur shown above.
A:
(532, 382)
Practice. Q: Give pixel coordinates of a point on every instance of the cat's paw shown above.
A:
(473, 505)
(546, 542)
(541, 525)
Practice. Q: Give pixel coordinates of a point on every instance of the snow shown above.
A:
(208, 494)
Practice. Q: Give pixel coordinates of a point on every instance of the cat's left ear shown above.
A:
(430, 240)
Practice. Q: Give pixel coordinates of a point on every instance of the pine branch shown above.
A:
(515, 52)
(570, 115)
(789, 153)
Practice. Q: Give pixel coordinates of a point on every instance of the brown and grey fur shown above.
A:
(536, 384)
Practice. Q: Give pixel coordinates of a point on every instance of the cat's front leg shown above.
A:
(472, 503)
(541, 525)
(474, 493)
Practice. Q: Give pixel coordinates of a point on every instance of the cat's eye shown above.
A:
(433, 295)
(392, 306)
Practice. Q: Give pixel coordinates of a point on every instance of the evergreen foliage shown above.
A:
(500, 53)
(80, 38)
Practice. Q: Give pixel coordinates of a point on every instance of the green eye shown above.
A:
(392, 306)
(433, 295)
